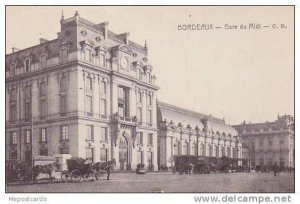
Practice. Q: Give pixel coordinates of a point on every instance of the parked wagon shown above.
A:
(79, 170)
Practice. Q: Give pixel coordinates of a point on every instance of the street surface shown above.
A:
(167, 182)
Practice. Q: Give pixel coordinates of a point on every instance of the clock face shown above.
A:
(124, 62)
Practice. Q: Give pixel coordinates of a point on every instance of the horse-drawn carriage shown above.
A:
(79, 170)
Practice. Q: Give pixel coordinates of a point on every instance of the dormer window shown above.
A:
(63, 55)
(43, 62)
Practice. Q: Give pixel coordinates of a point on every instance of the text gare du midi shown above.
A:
(199, 27)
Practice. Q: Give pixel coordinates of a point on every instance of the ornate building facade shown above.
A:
(269, 143)
(90, 93)
(185, 132)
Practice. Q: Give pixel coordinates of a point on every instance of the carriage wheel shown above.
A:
(65, 176)
(75, 175)
(98, 174)
(89, 176)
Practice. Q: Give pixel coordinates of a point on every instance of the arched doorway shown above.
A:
(123, 153)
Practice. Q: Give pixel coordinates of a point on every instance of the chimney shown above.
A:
(14, 49)
(43, 40)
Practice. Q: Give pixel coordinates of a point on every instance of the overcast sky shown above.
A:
(236, 74)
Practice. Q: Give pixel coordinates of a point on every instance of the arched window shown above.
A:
(185, 148)
(27, 91)
(176, 148)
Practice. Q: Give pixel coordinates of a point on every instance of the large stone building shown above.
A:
(90, 93)
(185, 132)
(269, 143)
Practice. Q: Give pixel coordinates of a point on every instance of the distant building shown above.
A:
(90, 93)
(269, 143)
(185, 132)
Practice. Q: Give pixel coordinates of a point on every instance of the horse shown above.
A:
(105, 166)
(48, 169)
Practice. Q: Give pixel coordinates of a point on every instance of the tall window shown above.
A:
(103, 136)
(150, 139)
(149, 117)
(13, 105)
(89, 84)
(64, 55)
(139, 114)
(90, 132)
(43, 136)
(43, 61)
(43, 107)
(64, 132)
(185, 148)
(139, 97)
(149, 100)
(27, 136)
(103, 155)
(140, 157)
(123, 102)
(89, 104)
(27, 105)
(13, 138)
(139, 74)
(228, 152)
(89, 155)
(103, 87)
(102, 60)
(63, 95)
(27, 65)
(89, 53)
(103, 106)
(43, 89)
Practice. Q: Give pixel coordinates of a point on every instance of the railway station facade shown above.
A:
(92, 93)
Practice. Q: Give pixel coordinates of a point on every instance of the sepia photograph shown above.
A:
(150, 99)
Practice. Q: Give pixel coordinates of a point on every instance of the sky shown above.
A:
(236, 74)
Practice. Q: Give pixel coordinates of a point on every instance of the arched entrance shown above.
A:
(123, 153)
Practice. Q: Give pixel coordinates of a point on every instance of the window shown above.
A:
(14, 154)
(261, 143)
(27, 92)
(63, 104)
(90, 132)
(150, 139)
(27, 136)
(270, 142)
(44, 152)
(185, 148)
(43, 89)
(64, 132)
(43, 137)
(149, 117)
(139, 138)
(139, 114)
(89, 52)
(149, 77)
(89, 84)
(89, 155)
(27, 65)
(13, 138)
(12, 95)
(139, 97)
(27, 110)
(43, 61)
(64, 55)
(103, 87)
(12, 112)
(63, 85)
(43, 107)
(149, 100)
(139, 74)
(123, 103)
(103, 155)
(64, 150)
(103, 136)
(103, 106)
(89, 104)
(102, 60)
(228, 152)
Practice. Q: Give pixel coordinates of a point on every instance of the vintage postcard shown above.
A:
(150, 99)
